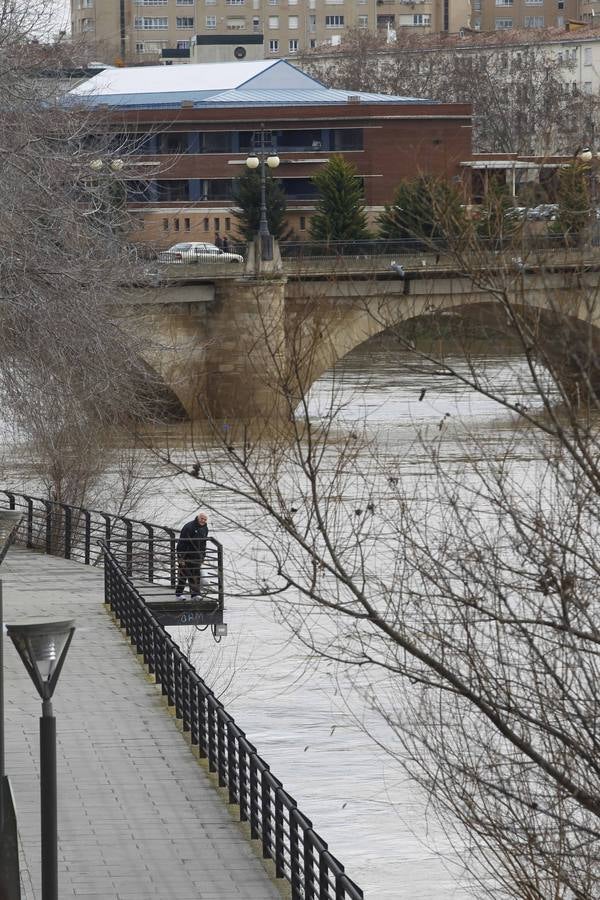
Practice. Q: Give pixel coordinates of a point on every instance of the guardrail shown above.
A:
(147, 551)
(287, 836)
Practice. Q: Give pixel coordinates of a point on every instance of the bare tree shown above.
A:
(69, 365)
(461, 599)
(522, 94)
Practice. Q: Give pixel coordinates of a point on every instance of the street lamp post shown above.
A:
(590, 159)
(263, 152)
(43, 648)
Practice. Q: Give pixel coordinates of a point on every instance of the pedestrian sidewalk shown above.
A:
(138, 817)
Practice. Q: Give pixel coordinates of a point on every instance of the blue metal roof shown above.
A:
(230, 85)
(238, 98)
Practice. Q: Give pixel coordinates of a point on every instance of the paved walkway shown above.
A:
(138, 817)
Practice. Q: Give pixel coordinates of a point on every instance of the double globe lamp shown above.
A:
(253, 162)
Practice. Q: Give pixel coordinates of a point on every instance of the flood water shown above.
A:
(304, 717)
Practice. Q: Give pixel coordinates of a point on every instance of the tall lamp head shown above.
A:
(43, 648)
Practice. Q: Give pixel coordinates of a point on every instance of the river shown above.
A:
(304, 717)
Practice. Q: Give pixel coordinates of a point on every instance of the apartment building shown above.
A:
(500, 15)
(138, 30)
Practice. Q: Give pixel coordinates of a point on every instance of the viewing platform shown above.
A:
(138, 816)
(143, 811)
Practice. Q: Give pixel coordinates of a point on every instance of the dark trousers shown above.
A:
(189, 570)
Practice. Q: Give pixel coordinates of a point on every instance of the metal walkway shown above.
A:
(138, 816)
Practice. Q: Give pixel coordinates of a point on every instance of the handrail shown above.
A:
(149, 550)
(287, 836)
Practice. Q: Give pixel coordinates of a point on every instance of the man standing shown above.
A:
(191, 549)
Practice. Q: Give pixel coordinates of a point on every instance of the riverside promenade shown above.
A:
(138, 816)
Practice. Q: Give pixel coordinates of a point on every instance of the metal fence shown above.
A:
(148, 552)
(286, 835)
(130, 549)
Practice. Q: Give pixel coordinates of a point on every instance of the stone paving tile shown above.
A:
(138, 817)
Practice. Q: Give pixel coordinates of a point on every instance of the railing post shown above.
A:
(68, 529)
(295, 856)
(48, 505)
(279, 843)
(150, 552)
(220, 576)
(267, 819)
(29, 544)
(87, 537)
(128, 546)
(172, 556)
(231, 766)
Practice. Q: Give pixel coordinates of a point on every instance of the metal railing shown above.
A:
(147, 551)
(286, 834)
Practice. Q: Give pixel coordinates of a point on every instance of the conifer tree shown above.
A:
(340, 214)
(423, 208)
(247, 199)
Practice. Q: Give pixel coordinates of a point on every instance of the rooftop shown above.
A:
(254, 83)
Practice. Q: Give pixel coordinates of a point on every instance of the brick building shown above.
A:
(192, 129)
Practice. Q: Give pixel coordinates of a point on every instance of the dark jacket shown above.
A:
(192, 539)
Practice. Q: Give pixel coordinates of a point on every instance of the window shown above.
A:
(217, 224)
(273, 46)
(87, 24)
(534, 2)
(587, 87)
(185, 21)
(185, 2)
(363, 21)
(293, 45)
(165, 224)
(227, 223)
(150, 2)
(176, 224)
(503, 23)
(183, 45)
(147, 23)
(533, 21)
(312, 23)
(211, 21)
(186, 224)
(312, 43)
(235, 24)
(560, 21)
(302, 223)
(139, 48)
(273, 22)
(504, 2)
(205, 223)
(421, 19)
(293, 23)
(334, 21)
(587, 56)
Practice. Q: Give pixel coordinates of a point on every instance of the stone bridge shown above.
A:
(241, 347)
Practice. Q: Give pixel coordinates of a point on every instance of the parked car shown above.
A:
(198, 252)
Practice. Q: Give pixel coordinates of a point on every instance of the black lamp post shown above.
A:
(43, 648)
(586, 156)
(263, 151)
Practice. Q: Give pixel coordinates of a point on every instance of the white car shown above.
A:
(198, 252)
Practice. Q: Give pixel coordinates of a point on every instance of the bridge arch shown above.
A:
(556, 325)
